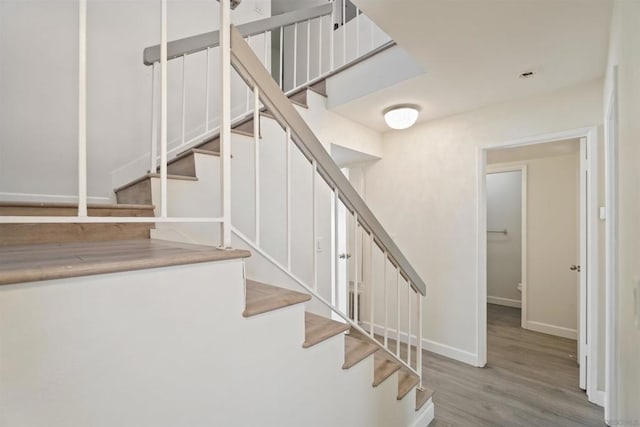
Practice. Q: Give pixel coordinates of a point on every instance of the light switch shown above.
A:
(636, 302)
(603, 213)
(319, 244)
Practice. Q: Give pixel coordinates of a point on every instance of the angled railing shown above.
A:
(267, 93)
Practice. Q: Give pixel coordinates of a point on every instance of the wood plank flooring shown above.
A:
(531, 379)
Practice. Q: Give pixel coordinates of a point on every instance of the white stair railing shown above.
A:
(408, 287)
(265, 92)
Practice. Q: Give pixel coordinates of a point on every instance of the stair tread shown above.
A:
(356, 350)
(422, 396)
(383, 369)
(406, 381)
(319, 328)
(320, 87)
(262, 298)
(154, 175)
(27, 263)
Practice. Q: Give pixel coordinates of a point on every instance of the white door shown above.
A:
(581, 268)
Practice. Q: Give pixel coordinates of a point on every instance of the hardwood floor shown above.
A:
(531, 379)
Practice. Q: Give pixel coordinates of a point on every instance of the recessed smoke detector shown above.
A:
(527, 74)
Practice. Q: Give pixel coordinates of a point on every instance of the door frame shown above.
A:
(522, 168)
(591, 135)
(611, 251)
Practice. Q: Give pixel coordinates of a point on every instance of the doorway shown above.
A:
(573, 282)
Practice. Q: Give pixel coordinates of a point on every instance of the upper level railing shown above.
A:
(299, 48)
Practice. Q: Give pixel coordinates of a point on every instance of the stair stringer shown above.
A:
(169, 346)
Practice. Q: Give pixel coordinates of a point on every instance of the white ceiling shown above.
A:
(534, 151)
(474, 51)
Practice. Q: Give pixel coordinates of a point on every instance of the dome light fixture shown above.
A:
(401, 116)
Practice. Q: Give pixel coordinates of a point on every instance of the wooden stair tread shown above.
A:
(262, 298)
(406, 381)
(320, 88)
(356, 350)
(184, 163)
(318, 329)
(422, 396)
(153, 175)
(27, 263)
(299, 98)
(383, 369)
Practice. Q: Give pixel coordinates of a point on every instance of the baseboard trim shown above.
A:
(597, 397)
(552, 330)
(426, 416)
(507, 302)
(429, 345)
(54, 198)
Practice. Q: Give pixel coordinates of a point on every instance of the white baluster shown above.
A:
(154, 123)
(207, 95)
(371, 287)
(184, 97)
(336, 247)
(308, 51)
(409, 319)
(332, 41)
(357, 32)
(398, 312)
(295, 56)
(386, 302)
(419, 338)
(256, 154)
(82, 108)
(288, 173)
(314, 225)
(344, 32)
(163, 113)
(320, 46)
(225, 118)
(356, 268)
(281, 64)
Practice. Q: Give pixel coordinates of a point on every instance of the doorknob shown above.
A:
(575, 268)
(344, 256)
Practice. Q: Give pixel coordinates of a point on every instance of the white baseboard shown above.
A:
(597, 397)
(429, 345)
(427, 415)
(52, 198)
(552, 330)
(504, 301)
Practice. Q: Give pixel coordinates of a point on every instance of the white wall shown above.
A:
(38, 88)
(624, 53)
(504, 251)
(425, 191)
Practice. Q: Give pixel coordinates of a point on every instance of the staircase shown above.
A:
(134, 315)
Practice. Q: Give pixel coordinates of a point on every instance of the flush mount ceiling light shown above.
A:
(401, 116)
